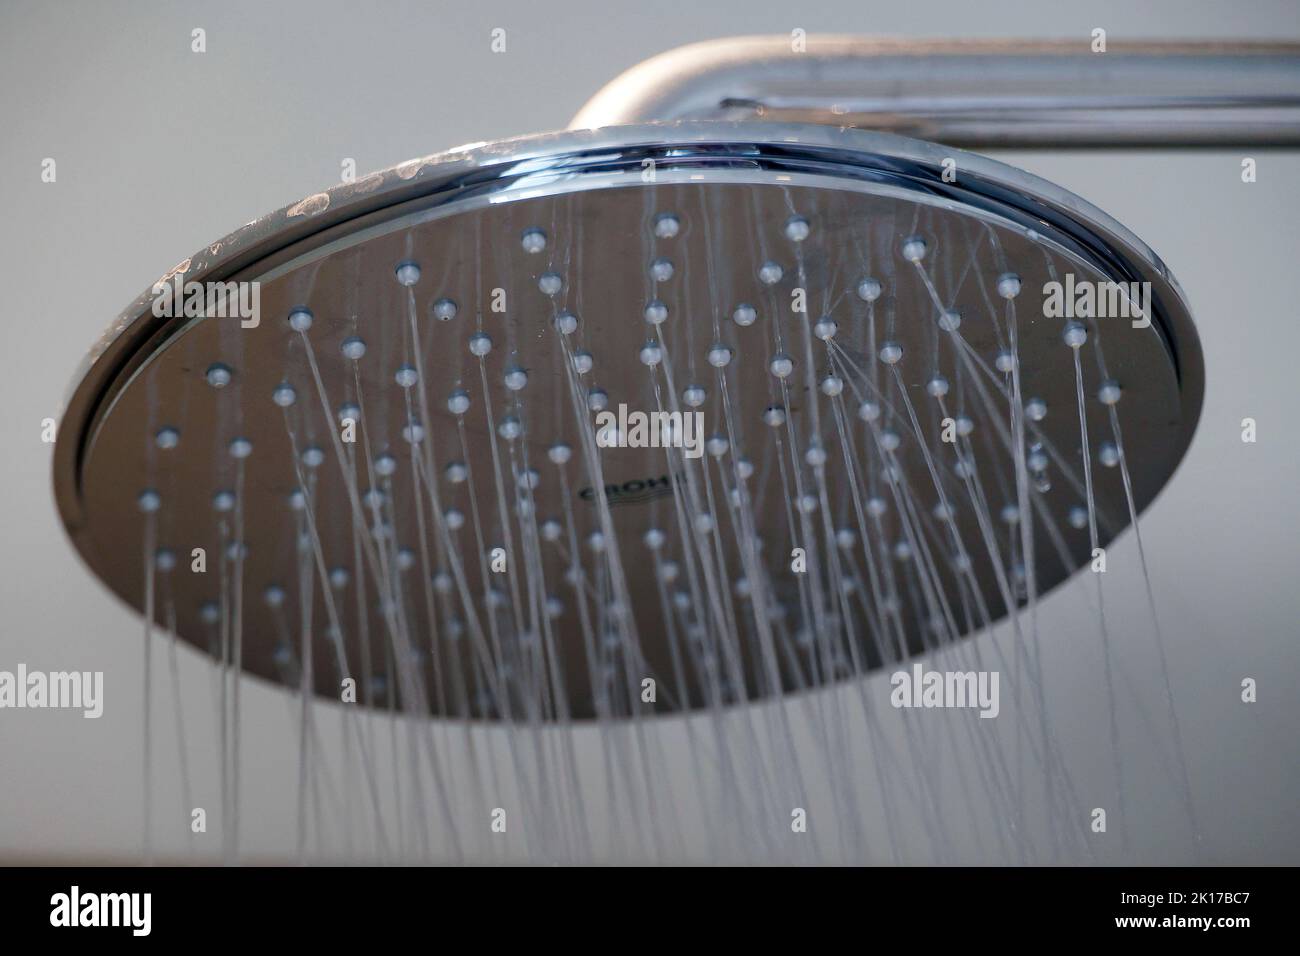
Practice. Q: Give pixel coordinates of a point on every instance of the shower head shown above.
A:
(426, 454)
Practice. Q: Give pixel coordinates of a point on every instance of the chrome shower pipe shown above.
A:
(975, 93)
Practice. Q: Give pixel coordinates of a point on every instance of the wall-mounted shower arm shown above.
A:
(976, 94)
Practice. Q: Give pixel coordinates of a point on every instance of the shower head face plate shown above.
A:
(828, 306)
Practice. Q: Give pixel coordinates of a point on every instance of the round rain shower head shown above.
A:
(739, 408)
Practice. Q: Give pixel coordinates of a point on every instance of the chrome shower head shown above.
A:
(413, 454)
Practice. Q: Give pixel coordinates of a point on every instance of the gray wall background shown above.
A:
(161, 151)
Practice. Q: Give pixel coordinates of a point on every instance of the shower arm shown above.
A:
(975, 93)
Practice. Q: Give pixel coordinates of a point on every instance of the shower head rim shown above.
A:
(447, 177)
